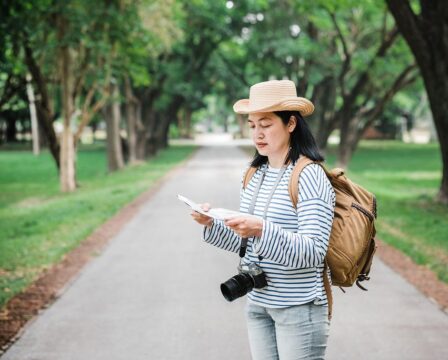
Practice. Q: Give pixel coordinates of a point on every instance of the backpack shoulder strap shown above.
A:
(294, 195)
(249, 173)
(328, 291)
(294, 179)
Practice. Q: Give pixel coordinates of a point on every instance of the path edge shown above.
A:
(420, 276)
(22, 309)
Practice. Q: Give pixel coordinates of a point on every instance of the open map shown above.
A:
(216, 213)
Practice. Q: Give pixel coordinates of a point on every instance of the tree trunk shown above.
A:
(326, 127)
(347, 141)
(67, 170)
(187, 123)
(113, 118)
(325, 98)
(140, 130)
(168, 117)
(180, 124)
(242, 125)
(131, 121)
(141, 140)
(225, 122)
(45, 119)
(33, 115)
(164, 136)
(426, 36)
(438, 95)
(346, 115)
(43, 141)
(2, 133)
(67, 155)
(11, 129)
(146, 122)
(157, 137)
(151, 118)
(45, 114)
(158, 141)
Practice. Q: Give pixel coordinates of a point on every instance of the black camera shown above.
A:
(249, 277)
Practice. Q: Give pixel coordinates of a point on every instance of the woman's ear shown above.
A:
(292, 123)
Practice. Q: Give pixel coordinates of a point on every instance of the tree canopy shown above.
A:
(143, 65)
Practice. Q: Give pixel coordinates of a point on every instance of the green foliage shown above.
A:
(299, 41)
(185, 75)
(174, 132)
(181, 51)
(105, 38)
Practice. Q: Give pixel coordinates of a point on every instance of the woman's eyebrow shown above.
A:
(263, 118)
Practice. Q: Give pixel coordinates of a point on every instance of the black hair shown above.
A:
(301, 141)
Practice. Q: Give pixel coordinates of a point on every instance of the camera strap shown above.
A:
(243, 246)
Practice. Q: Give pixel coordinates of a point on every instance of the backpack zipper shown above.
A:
(364, 211)
(374, 207)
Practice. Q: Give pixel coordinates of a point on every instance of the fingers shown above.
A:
(237, 225)
(205, 206)
(201, 219)
(245, 226)
(234, 221)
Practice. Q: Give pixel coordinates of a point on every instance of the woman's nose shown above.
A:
(259, 134)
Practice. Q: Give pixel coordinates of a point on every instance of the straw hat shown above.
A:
(274, 95)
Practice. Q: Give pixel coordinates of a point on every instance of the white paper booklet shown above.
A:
(216, 213)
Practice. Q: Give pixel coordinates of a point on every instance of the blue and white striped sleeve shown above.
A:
(315, 210)
(222, 236)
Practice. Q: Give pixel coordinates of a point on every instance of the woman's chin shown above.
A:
(262, 151)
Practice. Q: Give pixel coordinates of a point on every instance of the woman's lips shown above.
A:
(261, 145)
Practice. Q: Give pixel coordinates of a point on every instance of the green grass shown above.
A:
(405, 178)
(39, 224)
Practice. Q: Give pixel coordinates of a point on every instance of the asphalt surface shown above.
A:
(154, 292)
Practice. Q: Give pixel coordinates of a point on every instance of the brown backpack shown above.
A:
(352, 244)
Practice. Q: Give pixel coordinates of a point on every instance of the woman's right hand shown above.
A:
(200, 218)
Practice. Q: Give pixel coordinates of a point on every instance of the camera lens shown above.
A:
(237, 286)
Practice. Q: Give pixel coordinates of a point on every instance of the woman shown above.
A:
(288, 318)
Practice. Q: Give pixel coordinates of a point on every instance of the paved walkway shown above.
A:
(154, 292)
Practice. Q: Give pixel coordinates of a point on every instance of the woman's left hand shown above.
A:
(246, 226)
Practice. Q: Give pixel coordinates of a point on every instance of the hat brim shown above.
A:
(303, 105)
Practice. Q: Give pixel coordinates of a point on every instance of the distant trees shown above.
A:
(80, 54)
(346, 56)
(142, 65)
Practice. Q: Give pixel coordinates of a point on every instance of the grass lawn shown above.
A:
(405, 179)
(39, 224)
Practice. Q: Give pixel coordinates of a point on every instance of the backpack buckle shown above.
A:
(362, 277)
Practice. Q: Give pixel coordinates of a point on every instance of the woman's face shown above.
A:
(269, 134)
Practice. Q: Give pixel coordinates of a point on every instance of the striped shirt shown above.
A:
(294, 241)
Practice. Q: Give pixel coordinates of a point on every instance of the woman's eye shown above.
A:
(261, 126)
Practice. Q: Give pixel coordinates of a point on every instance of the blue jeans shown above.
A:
(292, 333)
